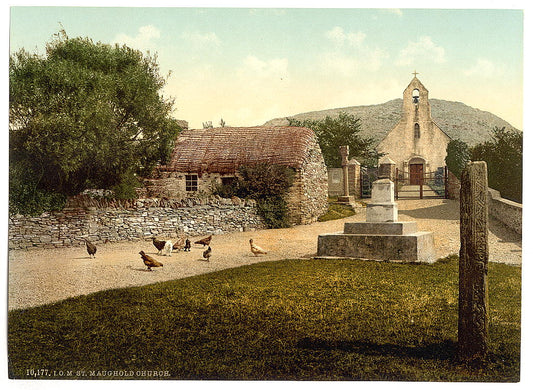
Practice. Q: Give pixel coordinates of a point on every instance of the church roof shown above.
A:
(415, 83)
(225, 149)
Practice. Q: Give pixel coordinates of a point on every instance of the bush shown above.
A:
(126, 188)
(457, 156)
(26, 200)
(503, 155)
(267, 184)
(274, 212)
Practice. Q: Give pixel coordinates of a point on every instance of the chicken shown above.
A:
(256, 250)
(160, 245)
(178, 245)
(187, 247)
(150, 261)
(91, 248)
(207, 253)
(204, 241)
(168, 248)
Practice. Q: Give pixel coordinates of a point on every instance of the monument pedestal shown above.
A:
(378, 241)
(381, 237)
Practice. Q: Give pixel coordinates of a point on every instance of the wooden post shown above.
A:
(473, 263)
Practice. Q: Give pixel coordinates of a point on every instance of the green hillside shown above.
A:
(456, 119)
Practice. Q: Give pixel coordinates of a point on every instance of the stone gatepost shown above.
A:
(473, 263)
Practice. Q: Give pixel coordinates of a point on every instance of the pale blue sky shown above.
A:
(251, 65)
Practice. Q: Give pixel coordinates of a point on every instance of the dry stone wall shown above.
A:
(101, 220)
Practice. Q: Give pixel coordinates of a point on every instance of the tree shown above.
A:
(343, 130)
(457, 156)
(503, 155)
(85, 115)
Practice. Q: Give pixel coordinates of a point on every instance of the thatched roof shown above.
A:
(224, 149)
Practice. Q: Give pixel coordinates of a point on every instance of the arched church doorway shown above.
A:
(416, 171)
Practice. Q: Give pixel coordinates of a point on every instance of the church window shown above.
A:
(417, 130)
(416, 96)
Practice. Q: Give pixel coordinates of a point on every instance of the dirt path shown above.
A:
(42, 276)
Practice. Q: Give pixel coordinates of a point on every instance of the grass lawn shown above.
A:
(336, 211)
(293, 319)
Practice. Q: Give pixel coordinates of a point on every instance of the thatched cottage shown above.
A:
(205, 157)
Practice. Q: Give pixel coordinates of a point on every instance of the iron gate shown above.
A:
(424, 185)
(368, 176)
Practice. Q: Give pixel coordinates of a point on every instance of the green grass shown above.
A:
(336, 211)
(293, 319)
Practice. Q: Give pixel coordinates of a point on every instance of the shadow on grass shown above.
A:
(444, 350)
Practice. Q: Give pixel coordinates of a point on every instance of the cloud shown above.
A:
(346, 65)
(255, 68)
(143, 39)
(424, 48)
(350, 53)
(201, 40)
(484, 68)
(339, 37)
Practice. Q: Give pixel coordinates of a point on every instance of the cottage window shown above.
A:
(417, 130)
(191, 183)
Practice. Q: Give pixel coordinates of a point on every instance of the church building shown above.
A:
(416, 145)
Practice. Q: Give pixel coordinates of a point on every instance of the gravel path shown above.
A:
(41, 276)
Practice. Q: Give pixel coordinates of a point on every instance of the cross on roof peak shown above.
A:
(415, 73)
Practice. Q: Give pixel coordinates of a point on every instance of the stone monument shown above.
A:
(473, 263)
(346, 197)
(381, 237)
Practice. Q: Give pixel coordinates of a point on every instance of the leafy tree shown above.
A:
(457, 156)
(84, 115)
(503, 155)
(343, 130)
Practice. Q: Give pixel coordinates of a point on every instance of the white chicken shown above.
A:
(256, 250)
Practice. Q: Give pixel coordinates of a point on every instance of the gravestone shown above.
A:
(473, 263)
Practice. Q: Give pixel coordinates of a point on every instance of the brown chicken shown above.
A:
(204, 241)
(91, 248)
(160, 245)
(179, 245)
(207, 253)
(256, 250)
(150, 261)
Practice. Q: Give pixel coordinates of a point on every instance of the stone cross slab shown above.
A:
(473, 263)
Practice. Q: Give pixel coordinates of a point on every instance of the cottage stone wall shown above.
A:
(308, 197)
(130, 221)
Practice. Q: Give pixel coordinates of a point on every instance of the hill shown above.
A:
(456, 119)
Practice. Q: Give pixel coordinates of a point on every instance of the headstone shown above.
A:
(473, 263)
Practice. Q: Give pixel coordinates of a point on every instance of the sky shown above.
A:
(247, 65)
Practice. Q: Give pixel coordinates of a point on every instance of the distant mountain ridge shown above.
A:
(456, 119)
